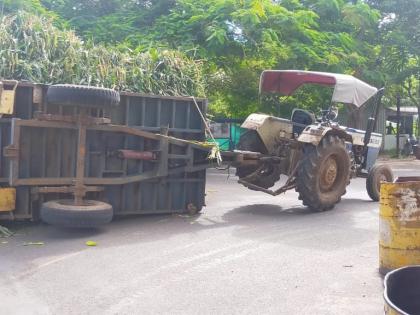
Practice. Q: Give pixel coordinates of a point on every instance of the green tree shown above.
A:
(239, 39)
(12, 6)
(110, 21)
(400, 47)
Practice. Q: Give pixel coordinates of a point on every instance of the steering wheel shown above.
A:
(328, 115)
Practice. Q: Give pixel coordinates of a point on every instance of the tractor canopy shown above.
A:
(347, 89)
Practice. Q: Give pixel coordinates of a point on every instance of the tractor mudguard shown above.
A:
(373, 147)
(270, 129)
(314, 134)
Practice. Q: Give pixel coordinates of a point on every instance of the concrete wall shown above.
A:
(390, 142)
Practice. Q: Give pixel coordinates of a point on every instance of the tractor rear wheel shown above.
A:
(265, 175)
(378, 174)
(323, 174)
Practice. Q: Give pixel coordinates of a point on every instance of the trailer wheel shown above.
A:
(266, 175)
(82, 96)
(324, 174)
(193, 209)
(378, 174)
(65, 214)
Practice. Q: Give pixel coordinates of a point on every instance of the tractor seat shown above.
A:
(300, 119)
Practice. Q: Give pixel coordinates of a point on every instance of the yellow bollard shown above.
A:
(399, 224)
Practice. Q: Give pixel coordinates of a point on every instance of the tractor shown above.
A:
(316, 156)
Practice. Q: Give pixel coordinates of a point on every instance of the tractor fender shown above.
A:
(269, 128)
(314, 134)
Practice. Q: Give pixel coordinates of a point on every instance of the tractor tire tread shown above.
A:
(307, 177)
(371, 180)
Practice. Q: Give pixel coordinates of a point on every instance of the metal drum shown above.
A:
(399, 225)
(402, 291)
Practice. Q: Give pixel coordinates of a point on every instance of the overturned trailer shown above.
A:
(70, 148)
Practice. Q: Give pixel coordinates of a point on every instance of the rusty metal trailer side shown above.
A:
(46, 157)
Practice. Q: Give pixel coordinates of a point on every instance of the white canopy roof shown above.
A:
(351, 90)
(347, 89)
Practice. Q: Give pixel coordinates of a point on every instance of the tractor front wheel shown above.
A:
(378, 174)
(323, 174)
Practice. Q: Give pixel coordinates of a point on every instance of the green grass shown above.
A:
(32, 48)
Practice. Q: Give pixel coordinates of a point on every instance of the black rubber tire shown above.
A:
(64, 213)
(309, 173)
(269, 174)
(373, 182)
(251, 141)
(82, 96)
(192, 209)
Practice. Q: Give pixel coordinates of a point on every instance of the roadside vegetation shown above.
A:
(32, 48)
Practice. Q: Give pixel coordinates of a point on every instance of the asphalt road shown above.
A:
(247, 253)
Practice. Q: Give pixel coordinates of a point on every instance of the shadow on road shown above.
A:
(347, 225)
(270, 210)
(296, 226)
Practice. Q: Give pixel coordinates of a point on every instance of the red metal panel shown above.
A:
(287, 82)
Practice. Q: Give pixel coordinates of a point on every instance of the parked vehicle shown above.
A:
(410, 146)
